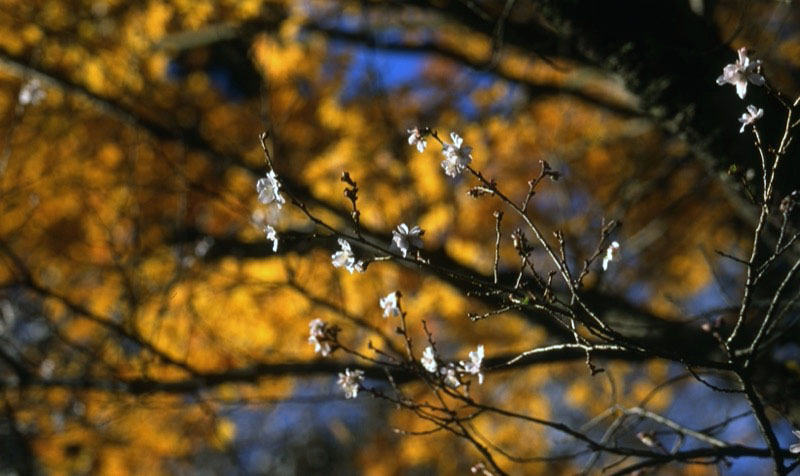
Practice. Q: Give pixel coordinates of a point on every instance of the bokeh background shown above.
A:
(146, 326)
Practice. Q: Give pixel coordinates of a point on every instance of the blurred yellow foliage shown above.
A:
(130, 195)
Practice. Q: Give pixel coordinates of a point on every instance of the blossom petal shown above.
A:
(741, 89)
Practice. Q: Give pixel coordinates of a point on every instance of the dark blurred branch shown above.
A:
(661, 336)
(707, 456)
(369, 39)
(671, 70)
(21, 371)
(202, 381)
(694, 345)
(534, 89)
(700, 344)
(26, 280)
(655, 459)
(15, 446)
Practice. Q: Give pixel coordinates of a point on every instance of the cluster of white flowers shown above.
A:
(405, 238)
(742, 72)
(391, 305)
(350, 382)
(31, 93)
(345, 258)
(753, 113)
(451, 373)
(612, 254)
(457, 156)
(450, 376)
(317, 337)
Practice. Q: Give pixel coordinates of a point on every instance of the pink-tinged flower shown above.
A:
(390, 305)
(268, 189)
(316, 331)
(457, 155)
(751, 116)
(416, 138)
(350, 382)
(742, 72)
(272, 235)
(612, 254)
(473, 366)
(429, 360)
(404, 238)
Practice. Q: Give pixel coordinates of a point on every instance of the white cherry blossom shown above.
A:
(417, 139)
(268, 189)
(272, 235)
(751, 116)
(390, 305)
(345, 258)
(612, 254)
(316, 330)
(350, 381)
(457, 155)
(741, 72)
(450, 376)
(429, 360)
(473, 366)
(404, 238)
